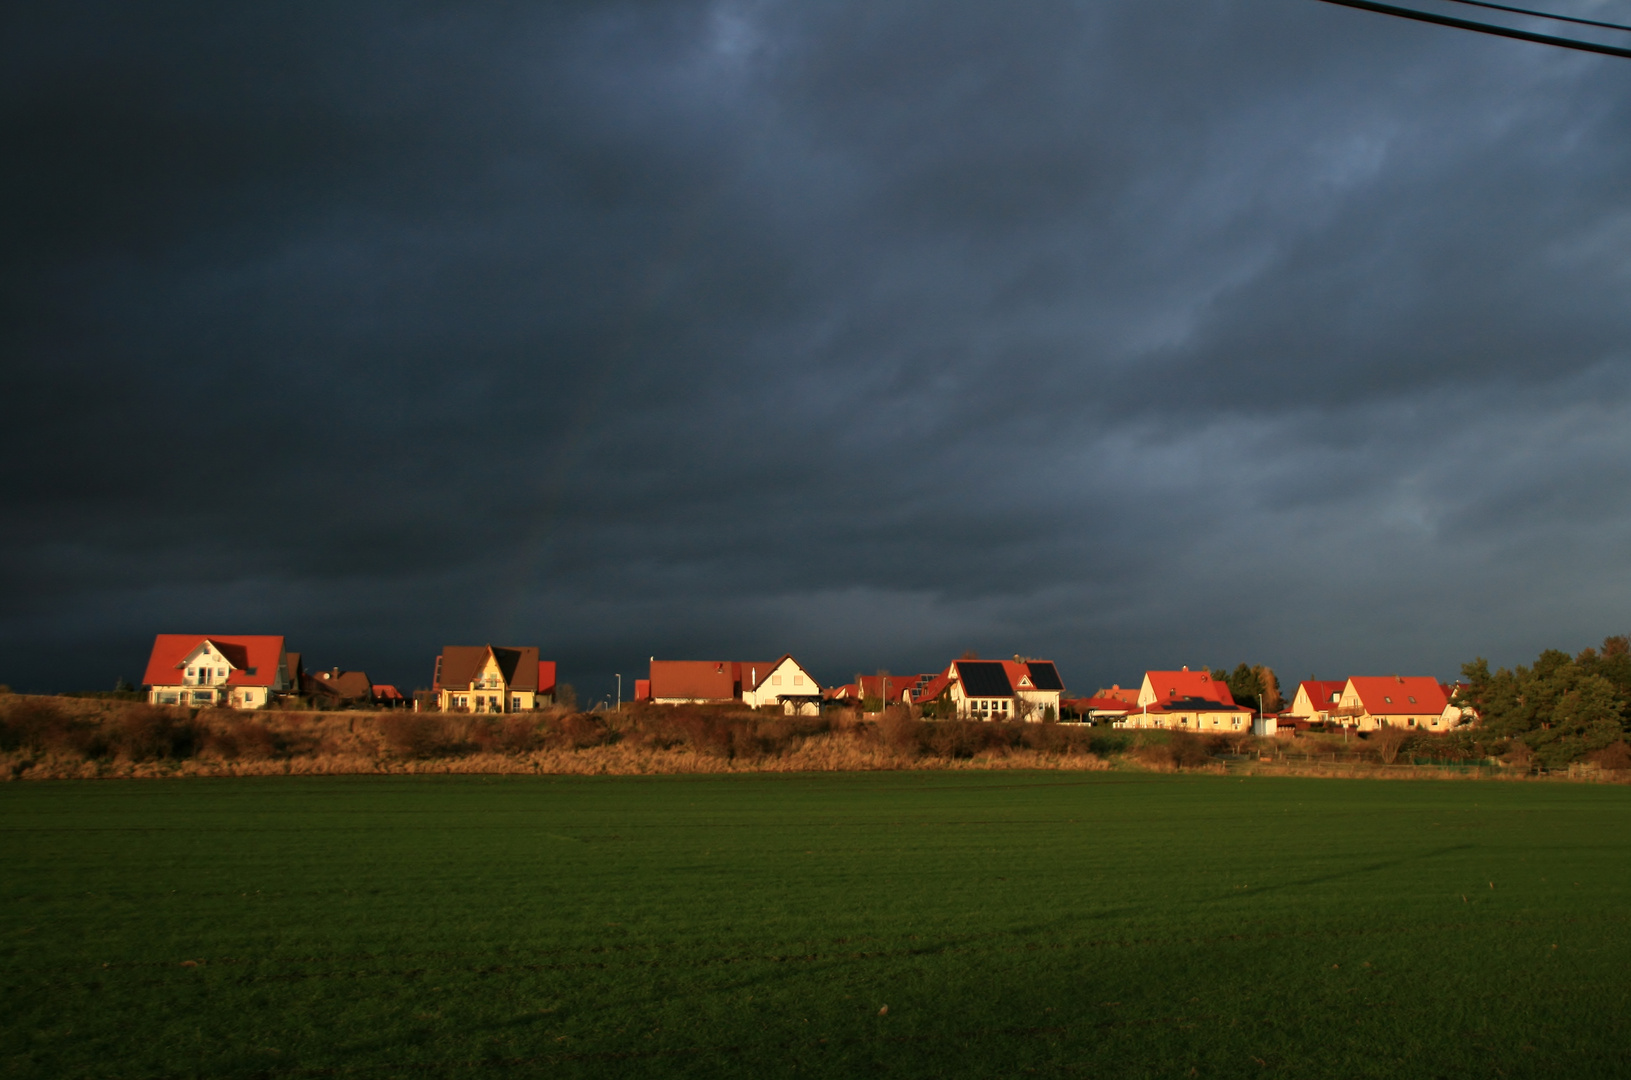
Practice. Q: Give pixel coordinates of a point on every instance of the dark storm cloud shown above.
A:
(1129, 334)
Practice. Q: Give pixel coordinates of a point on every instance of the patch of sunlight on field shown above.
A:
(1012, 924)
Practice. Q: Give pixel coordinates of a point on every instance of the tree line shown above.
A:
(1560, 709)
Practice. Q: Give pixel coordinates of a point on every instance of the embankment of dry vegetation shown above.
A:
(62, 738)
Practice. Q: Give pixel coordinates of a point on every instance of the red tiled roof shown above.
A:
(1176, 685)
(546, 676)
(1119, 693)
(387, 692)
(1324, 693)
(892, 686)
(935, 686)
(258, 654)
(705, 680)
(460, 664)
(1382, 695)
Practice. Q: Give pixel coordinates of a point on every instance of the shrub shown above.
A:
(250, 740)
(1387, 743)
(1615, 757)
(1179, 750)
(902, 732)
(42, 726)
(577, 731)
(150, 732)
(512, 734)
(418, 735)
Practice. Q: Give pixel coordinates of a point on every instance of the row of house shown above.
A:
(1020, 688)
(252, 671)
(1197, 701)
(249, 672)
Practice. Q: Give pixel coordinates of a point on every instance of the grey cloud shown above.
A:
(1129, 334)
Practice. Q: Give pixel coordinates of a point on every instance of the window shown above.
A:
(775, 680)
(515, 702)
(1412, 699)
(167, 698)
(200, 696)
(192, 673)
(1388, 700)
(798, 680)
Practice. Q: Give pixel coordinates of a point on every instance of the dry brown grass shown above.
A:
(47, 738)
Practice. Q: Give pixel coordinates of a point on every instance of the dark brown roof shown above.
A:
(460, 665)
(345, 686)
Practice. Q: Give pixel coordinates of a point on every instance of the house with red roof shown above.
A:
(493, 679)
(1371, 702)
(1117, 692)
(757, 684)
(228, 670)
(1188, 701)
(1315, 698)
(781, 682)
(337, 688)
(388, 695)
(1017, 689)
(889, 689)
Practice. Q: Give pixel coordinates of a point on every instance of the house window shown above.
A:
(515, 702)
(201, 696)
(798, 680)
(167, 697)
(775, 680)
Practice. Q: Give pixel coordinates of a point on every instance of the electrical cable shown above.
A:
(1483, 28)
(1543, 15)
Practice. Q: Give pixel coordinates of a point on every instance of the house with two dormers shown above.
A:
(1371, 702)
(492, 679)
(223, 670)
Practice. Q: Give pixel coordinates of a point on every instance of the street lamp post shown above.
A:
(619, 691)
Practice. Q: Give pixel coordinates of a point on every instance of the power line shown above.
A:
(1483, 28)
(1543, 15)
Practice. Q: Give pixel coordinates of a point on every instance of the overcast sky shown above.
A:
(1128, 334)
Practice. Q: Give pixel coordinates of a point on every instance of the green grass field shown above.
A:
(1021, 924)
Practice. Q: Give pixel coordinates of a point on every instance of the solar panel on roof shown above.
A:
(984, 678)
(1044, 676)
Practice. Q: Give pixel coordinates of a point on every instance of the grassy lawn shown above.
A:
(1013, 924)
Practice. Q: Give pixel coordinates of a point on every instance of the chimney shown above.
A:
(336, 673)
